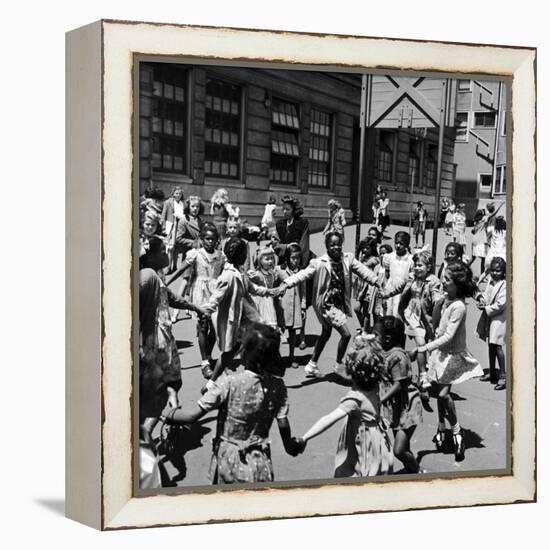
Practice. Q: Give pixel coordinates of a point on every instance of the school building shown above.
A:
(259, 132)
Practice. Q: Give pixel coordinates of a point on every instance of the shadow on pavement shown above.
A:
(472, 440)
(331, 377)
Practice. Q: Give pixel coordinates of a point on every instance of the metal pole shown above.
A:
(365, 82)
(411, 192)
(442, 113)
(495, 148)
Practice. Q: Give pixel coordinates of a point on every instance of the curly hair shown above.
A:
(235, 251)
(331, 234)
(498, 263)
(462, 277)
(187, 205)
(207, 227)
(457, 247)
(333, 203)
(367, 245)
(295, 204)
(391, 332)
(365, 361)
(500, 223)
(403, 237)
(261, 348)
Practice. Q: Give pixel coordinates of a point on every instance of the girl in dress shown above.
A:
(479, 244)
(459, 225)
(234, 228)
(492, 324)
(221, 210)
(454, 252)
(401, 267)
(205, 265)
(398, 394)
(367, 254)
(249, 401)
(266, 276)
(336, 218)
(364, 446)
(293, 302)
(420, 217)
(449, 361)
(497, 243)
(234, 305)
(450, 219)
(268, 219)
(416, 309)
(332, 282)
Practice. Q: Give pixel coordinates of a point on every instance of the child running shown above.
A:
(449, 361)
(249, 401)
(332, 281)
(416, 309)
(405, 410)
(293, 302)
(367, 254)
(492, 324)
(364, 446)
(206, 265)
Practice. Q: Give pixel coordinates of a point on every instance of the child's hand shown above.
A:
(172, 398)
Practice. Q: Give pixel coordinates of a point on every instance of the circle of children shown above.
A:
(246, 305)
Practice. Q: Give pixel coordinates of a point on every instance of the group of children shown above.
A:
(247, 310)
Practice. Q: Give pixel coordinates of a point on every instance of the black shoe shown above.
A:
(501, 385)
(439, 440)
(425, 399)
(206, 372)
(485, 378)
(458, 440)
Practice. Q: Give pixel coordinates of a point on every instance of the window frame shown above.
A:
(499, 180)
(393, 147)
(428, 161)
(463, 91)
(484, 188)
(485, 112)
(331, 148)
(467, 128)
(418, 180)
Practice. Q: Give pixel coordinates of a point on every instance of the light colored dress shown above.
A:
(479, 240)
(364, 446)
(401, 268)
(268, 307)
(292, 301)
(459, 228)
(248, 405)
(404, 410)
(497, 245)
(450, 362)
(495, 310)
(205, 269)
(336, 223)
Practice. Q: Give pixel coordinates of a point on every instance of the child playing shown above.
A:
(222, 210)
(449, 361)
(249, 401)
(492, 323)
(336, 218)
(293, 302)
(231, 299)
(265, 275)
(420, 218)
(454, 252)
(459, 224)
(402, 397)
(449, 219)
(497, 242)
(479, 244)
(206, 265)
(364, 446)
(401, 265)
(332, 282)
(416, 308)
(367, 254)
(234, 228)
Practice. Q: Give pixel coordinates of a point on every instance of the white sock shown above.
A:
(312, 364)
(456, 428)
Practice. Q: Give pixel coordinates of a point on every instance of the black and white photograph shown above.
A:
(322, 275)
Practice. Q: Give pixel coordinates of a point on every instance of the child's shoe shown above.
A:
(458, 440)
(340, 370)
(439, 440)
(312, 370)
(206, 369)
(424, 382)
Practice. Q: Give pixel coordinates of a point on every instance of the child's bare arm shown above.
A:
(177, 273)
(324, 423)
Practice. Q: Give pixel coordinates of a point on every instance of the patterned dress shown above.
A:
(450, 362)
(248, 405)
(404, 410)
(364, 446)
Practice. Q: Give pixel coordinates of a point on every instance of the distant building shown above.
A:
(480, 144)
(259, 132)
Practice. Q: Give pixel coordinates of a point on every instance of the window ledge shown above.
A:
(221, 182)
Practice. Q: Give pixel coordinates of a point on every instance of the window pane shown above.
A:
(319, 148)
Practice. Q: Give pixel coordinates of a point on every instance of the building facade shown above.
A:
(262, 132)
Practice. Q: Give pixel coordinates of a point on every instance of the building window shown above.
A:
(320, 127)
(486, 119)
(385, 156)
(222, 129)
(500, 184)
(464, 85)
(414, 163)
(430, 172)
(461, 124)
(285, 142)
(169, 118)
(485, 182)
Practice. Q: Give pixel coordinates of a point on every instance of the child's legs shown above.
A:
(302, 337)
(421, 357)
(203, 336)
(321, 343)
(402, 449)
(499, 352)
(291, 342)
(358, 309)
(447, 404)
(492, 361)
(482, 259)
(345, 337)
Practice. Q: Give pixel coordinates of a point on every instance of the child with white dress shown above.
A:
(459, 224)
(268, 219)
(401, 267)
(449, 361)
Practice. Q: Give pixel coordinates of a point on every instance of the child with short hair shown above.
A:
(454, 252)
(449, 361)
(336, 218)
(492, 323)
(222, 210)
(398, 394)
(367, 254)
(401, 266)
(420, 218)
(479, 244)
(234, 228)
(364, 446)
(459, 224)
(293, 302)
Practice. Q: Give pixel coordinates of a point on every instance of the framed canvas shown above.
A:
(263, 113)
